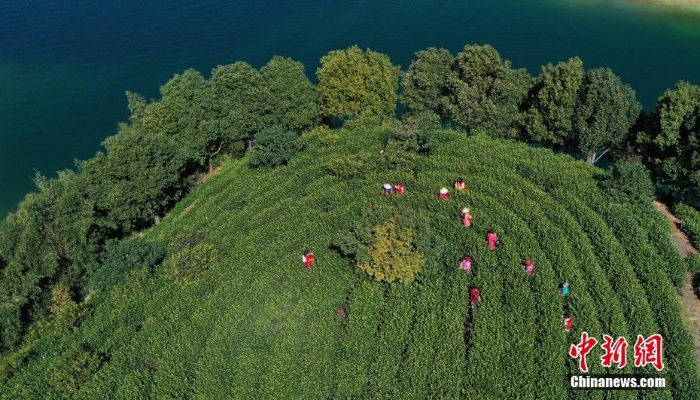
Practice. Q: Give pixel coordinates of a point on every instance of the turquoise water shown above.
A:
(64, 65)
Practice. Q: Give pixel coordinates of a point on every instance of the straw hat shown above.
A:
(443, 190)
(465, 210)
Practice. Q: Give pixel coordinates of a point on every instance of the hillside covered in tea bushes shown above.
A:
(217, 304)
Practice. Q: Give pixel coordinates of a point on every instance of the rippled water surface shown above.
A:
(64, 65)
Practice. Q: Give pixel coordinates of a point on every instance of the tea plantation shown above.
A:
(232, 313)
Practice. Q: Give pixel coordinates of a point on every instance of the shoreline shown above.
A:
(692, 4)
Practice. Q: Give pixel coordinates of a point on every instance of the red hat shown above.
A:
(528, 262)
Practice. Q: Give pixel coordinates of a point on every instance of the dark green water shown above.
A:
(64, 65)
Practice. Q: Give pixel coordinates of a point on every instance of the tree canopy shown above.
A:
(606, 111)
(292, 101)
(552, 102)
(673, 145)
(353, 83)
(485, 92)
(425, 82)
(137, 179)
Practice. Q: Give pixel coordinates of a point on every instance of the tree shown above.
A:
(190, 99)
(393, 254)
(242, 104)
(425, 82)
(552, 103)
(292, 101)
(606, 111)
(353, 83)
(137, 180)
(273, 146)
(485, 92)
(187, 113)
(673, 144)
(51, 239)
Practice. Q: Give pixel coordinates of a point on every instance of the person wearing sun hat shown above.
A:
(467, 217)
(528, 267)
(386, 189)
(443, 194)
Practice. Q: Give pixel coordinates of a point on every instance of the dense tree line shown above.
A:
(61, 234)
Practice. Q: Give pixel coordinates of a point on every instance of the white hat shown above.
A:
(465, 210)
(387, 186)
(443, 190)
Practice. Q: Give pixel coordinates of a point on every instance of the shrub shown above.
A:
(120, 257)
(691, 222)
(395, 156)
(393, 250)
(629, 181)
(348, 167)
(393, 254)
(189, 262)
(273, 147)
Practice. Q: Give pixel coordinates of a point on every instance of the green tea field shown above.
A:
(245, 320)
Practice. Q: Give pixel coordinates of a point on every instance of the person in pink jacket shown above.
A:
(467, 217)
(492, 240)
(466, 264)
(528, 267)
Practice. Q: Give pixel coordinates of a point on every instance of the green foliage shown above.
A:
(120, 257)
(552, 102)
(190, 262)
(393, 254)
(242, 103)
(388, 244)
(485, 92)
(292, 100)
(137, 180)
(189, 98)
(73, 368)
(690, 222)
(352, 83)
(52, 237)
(347, 167)
(606, 111)
(673, 144)
(425, 83)
(629, 181)
(264, 322)
(273, 147)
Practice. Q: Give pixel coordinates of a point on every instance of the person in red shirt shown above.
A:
(399, 189)
(443, 194)
(568, 322)
(492, 240)
(308, 259)
(460, 185)
(474, 295)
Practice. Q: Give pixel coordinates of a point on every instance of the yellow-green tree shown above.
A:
(353, 83)
(393, 254)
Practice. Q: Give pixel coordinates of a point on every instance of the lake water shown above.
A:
(64, 65)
